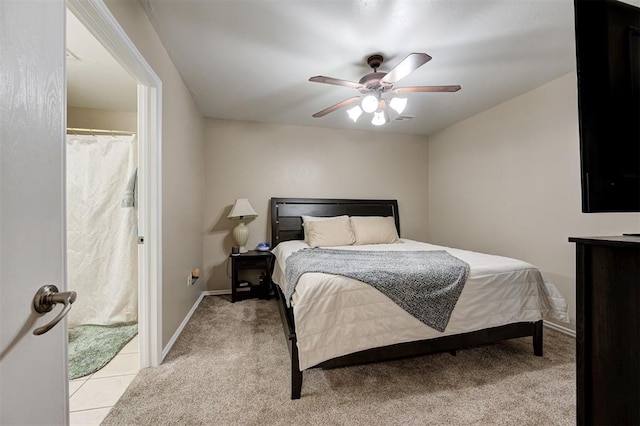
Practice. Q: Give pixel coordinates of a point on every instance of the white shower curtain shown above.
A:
(102, 254)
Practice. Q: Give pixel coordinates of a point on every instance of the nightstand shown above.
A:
(254, 260)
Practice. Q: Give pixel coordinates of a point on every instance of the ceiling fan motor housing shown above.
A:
(371, 82)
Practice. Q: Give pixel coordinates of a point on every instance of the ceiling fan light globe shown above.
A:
(369, 103)
(354, 113)
(378, 118)
(398, 104)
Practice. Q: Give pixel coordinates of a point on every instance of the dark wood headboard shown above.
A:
(286, 221)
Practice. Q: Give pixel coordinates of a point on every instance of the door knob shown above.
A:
(44, 301)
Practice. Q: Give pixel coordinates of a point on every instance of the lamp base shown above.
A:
(241, 235)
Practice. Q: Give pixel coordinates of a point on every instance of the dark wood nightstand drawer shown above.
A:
(249, 262)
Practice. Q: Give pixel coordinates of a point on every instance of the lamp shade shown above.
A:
(378, 118)
(242, 208)
(354, 113)
(369, 103)
(398, 104)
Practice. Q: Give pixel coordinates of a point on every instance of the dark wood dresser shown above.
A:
(607, 330)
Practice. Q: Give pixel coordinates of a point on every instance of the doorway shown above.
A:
(101, 216)
(146, 95)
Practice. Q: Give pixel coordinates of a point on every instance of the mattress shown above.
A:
(336, 315)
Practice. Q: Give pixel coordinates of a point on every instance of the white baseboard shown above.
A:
(186, 319)
(560, 328)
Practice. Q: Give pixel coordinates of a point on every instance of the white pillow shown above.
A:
(374, 230)
(306, 219)
(317, 218)
(329, 233)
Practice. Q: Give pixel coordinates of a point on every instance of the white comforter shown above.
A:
(335, 315)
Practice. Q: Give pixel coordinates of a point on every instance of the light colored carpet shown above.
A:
(230, 366)
(91, 347)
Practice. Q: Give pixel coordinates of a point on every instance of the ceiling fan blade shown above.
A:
(335, 81)
(409, 64)
(336, 106)
(415, 89)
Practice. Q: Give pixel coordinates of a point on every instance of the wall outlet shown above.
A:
(189, 280)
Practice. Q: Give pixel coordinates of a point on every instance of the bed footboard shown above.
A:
(444, 344)
(286, 315)
(403, 350)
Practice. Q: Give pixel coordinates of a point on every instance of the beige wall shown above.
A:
(89, 118)
(182, 170)
(507, 181)
(259, 161)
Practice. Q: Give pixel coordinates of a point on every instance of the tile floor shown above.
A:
(91, 397)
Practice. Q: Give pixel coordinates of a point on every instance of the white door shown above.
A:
(33, 375)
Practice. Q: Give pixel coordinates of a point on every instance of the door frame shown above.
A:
(97, 18)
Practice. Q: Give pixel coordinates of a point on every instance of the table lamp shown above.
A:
(241, 209)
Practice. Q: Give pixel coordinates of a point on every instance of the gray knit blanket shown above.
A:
(426, 284)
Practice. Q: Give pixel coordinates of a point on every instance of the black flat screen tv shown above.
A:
(608, 66)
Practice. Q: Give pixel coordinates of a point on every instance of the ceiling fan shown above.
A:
(374, 85)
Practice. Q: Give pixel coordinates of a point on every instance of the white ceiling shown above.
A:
(94, 78)
(251, 59)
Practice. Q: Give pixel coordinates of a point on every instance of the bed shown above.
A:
(333, 321)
